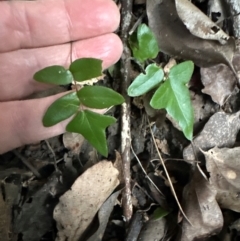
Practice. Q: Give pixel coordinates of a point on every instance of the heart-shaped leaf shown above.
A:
(56, 75)
(174, 96)
(143, 43)
(92, 126)
(145, 82)
(99, 97)
(182, 72)
(86, 68)
(61, 109)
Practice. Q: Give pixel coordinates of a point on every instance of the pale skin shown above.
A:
(36, 34)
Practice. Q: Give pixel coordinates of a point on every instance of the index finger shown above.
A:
(31, 24)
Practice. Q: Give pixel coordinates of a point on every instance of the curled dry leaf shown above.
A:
(200, 25)
(221, 130)
(77, 207)
(175, 39)
(224, 168)
(217, 11)
(201, 208)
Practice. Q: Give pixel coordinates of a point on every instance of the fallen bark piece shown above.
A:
(78, 206)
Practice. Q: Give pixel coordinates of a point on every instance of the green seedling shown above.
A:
(160, 213)
(85, 122)
(171, 91)
(143, 44)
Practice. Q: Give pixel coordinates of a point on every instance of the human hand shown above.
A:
(35, 35)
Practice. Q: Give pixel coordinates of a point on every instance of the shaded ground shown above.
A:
(93, 208)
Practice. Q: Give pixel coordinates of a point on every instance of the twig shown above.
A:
(27, 164)
(137, 23)
(197, 161)
(146, 175)
(54, 156)
(168, 177)
(126, 13)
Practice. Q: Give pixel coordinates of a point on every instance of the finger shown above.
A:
(21, 122)
(29, 24)
(18, 67)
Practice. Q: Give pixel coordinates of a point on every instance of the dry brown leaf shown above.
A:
(5, 219)
(73, 142)
(224, 167)
(163, 146)
(203, 108)
(153, 230)
(219, 82)
(175, 39)
(77, 207)
(169, 65)
(103, 216)
(200, 25)
(221, 130)
(201, 208)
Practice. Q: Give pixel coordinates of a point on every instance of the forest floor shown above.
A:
(62, 189)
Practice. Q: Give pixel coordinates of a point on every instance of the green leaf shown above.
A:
(160, 213)
(92, 126)
(143, 43)
(61, 109)
(145, 82)
(99, 97)
(86, 69)
(174, 96)
(182, 72)
(56, 75)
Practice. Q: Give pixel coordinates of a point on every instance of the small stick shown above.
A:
(168, 177)
(54, 156)
(146, 175)
(27, 164)
(126, 13)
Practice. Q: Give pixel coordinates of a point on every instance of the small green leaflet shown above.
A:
(61, 109)
(143, 44)
(56, 75)
(160, 213)
(92, 126)
(99, 97)
(86, 69)
(145, 82)
(174, 96)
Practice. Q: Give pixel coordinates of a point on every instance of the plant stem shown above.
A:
(126, 108)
